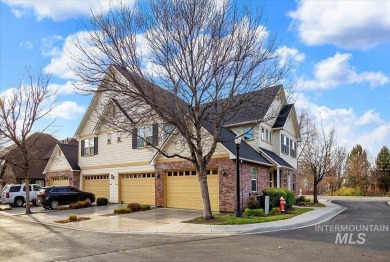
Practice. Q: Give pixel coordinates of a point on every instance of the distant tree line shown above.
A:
(328, 168)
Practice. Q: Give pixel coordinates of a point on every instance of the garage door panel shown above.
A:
(59, 181)
(138, 188)
(99, 185)
(184, 191)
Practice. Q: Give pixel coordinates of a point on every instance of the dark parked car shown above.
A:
(54, 196)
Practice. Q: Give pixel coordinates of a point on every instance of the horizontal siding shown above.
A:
(115, 153)
(57, 163)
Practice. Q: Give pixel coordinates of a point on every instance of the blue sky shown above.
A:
(340, 49)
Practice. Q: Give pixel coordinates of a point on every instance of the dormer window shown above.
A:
(248, 133)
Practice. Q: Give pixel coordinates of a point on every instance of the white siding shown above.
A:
(57, 162)
(239, 130)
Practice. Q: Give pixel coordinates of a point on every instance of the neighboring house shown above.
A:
(62, 168)
(123, 169)
(39, 146)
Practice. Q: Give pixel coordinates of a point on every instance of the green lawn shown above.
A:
(230, 219)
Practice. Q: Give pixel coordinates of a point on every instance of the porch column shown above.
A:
(277, 177)
(289, 180)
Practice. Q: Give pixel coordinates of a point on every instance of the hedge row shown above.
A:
(275, 194)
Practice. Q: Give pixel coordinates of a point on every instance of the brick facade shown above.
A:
(227, 180)
(74, 177)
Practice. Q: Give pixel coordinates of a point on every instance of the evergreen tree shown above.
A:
(382, 163)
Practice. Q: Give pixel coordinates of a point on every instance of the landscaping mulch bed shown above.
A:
(69, 221)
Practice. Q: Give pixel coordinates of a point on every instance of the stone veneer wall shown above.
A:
(74, 177)
(227, 180)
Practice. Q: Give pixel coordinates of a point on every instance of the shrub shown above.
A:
(122, 210)
(301, 204)
(301, 199)
(145, 207)
(290, 199)
(308, 200)
(135, 207)
(274, 195)
(80, 204)
(101, 201)
(349, 191)
(253, 212)
(72, 217)
(253, 204)
(275, 211)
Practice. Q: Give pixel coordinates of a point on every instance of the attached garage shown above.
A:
(59, 181)
(183, 191)
(98, 184)
(137, 188)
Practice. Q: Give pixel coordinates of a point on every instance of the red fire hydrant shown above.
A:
(282, 202)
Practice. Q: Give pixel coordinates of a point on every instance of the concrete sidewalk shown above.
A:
(165, 220)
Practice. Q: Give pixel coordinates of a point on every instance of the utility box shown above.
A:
(266, 205)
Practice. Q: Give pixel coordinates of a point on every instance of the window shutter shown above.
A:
(95, 145)
(82, 147)
(134, 138)
(155, 134)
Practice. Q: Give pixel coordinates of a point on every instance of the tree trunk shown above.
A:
(202, 177)
(315, 192)
(27, 184)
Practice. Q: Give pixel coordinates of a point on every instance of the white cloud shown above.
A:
(69, 88)
(346, 24)
(288, 55)
(50, 45)
(67, 110)
(59, 10)
(369, 117)
(27, 44)
(62, 62)
(335, 71)
(368, 129)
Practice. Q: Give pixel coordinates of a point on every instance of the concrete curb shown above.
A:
(234, 229)
(315, 221)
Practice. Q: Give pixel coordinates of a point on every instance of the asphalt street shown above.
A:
(23, 241)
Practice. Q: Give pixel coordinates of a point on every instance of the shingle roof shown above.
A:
(281, 120)
(70, 151)
(256, 110)
(277, 159)
(246, 151)
(40, 144)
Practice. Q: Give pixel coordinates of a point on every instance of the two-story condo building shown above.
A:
(121, 167)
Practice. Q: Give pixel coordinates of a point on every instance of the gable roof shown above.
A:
(275, 158)
(70, 152)
(246, 151)
(41, 145)
(256, 111)
(283, 115)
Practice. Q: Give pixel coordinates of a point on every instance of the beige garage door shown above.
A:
(137, 188)
(183, 190)
(59, 181)
(99, 185)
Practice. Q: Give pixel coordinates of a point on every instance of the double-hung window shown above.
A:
(254, 179)
(293, 148)
(248, 133)
(144, 136)
(285, 141)
(89, 146)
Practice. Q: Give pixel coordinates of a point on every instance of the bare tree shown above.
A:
(20, 109)
(319, 152)
(191, 64)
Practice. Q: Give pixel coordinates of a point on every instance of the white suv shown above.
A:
(16, 194)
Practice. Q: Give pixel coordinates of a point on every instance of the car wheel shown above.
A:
(54, 204)
(88, 199)
(19, 202)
